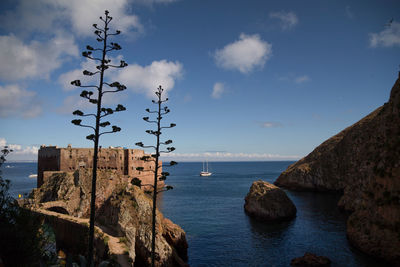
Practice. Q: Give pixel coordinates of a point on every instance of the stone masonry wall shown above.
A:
(121, 161)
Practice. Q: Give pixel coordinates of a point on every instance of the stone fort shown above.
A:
(122, 161)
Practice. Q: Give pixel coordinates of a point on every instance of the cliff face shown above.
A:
(122, 210)
(362, 161)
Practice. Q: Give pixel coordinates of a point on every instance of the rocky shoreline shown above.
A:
(122, 210)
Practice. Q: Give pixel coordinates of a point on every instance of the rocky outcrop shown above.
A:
(311, 260)
(268, 202)
(122, 209)
(363, 162)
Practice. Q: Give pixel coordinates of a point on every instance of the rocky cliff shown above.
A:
(123, 210)
(363, 162)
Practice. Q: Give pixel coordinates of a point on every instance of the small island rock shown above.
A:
(268, 202)
(311, 260)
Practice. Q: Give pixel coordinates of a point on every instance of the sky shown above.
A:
(246, 80)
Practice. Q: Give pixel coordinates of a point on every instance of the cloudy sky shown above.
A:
(247, 80)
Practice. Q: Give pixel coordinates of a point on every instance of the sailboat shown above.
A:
(205, 172)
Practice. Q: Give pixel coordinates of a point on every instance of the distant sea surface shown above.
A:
(219, 233)
(18, 174)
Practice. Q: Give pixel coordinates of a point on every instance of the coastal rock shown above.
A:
(311, 260)
(363, 162)
(268, 202)
(122, 209)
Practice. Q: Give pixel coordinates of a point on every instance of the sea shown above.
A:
(219, 233)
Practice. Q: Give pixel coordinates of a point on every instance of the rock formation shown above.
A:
(363, 162)
(268, 202)
(121, 209)
(311, 260)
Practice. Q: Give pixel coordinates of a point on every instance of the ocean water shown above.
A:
(18, 174)
(219, 233)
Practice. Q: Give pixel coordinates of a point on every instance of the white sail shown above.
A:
(205, 172)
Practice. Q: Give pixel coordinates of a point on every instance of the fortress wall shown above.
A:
(133, 161)
(108, 158)
(73, 158)
(112, 158)
(48, 160)
(122, 161)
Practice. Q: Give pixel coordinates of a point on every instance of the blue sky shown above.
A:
(247, 80)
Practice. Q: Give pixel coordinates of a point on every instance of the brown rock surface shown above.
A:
(311, 260)
(268, 202)
(122, 210)
(362, 161)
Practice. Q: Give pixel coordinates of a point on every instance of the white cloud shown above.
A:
(84, 13)
(271, 124)
(294, 78)
(151, 2)
(20, 152)
(47, 16)
(287, 19)
(140, 79)
(349, 13)
(59, 21)
(302, 79)
(386, 38)
(34, 60)
(77, 74)
(244, 54)
(218, 90)
(227, 156)
(18, 102)
(30, 16)
(146, 79)
(74, 102)
(187, 98)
